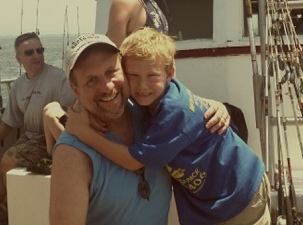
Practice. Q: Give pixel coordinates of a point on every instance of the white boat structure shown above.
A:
(215, 61)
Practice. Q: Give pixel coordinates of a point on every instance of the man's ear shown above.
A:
(17, 56)
(74, 89)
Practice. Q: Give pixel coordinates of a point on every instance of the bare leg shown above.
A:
(7, 163)
(52, 127)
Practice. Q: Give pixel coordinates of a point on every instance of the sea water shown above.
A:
(9, 67)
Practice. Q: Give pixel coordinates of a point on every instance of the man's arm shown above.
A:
(219, 116)
(70, 182)
(119, 18)
(4, 130)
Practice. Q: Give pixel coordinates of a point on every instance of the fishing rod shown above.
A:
(1, 105)
(21, 16)
(292, 193)
(295, 37)
(280, 21)
(298, 59)
(37, 18)
(65, 31)
(297, 219)
(275, 62)
(20, 69)
(283, 194)
(257, 81)
(265, 100)
(78, 23)
(1, 98)
(298, 64)
(267, 96)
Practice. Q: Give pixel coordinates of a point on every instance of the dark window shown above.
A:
(189, 19)
(297, 18)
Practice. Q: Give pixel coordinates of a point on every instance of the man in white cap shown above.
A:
(87, 188)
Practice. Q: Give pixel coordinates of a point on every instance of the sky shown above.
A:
(51, 14)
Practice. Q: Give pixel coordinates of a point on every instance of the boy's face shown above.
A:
(147, 81)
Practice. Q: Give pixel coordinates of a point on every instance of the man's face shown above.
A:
(30, 55)
(100, 84)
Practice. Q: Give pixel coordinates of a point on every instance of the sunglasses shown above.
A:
(143, 186)
(30, 52)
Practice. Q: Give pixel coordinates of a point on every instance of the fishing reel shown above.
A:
(293, 219)
(298, 219)
(281, 220)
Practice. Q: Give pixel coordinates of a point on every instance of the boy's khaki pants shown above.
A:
(258, 210)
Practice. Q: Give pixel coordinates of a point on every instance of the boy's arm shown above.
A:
(116, 152)
(78, 124)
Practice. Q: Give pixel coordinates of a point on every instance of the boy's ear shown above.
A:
(171, 73)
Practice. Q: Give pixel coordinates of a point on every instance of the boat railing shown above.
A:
(13, 136)
(8, 84)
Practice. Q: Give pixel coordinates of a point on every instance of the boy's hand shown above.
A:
(219, 116)
(79, 121)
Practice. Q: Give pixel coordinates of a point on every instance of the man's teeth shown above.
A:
(109, 97)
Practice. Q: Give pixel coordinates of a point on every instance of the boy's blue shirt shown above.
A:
(215, 177)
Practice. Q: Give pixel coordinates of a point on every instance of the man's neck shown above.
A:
(32, 74)
(122, 128)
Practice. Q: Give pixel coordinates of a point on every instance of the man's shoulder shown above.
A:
(128, 2)
(72, 141)
(19, 81)
(66, 155)
(125, 5)
(54, 70)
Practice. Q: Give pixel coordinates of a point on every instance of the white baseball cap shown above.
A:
(74, 50)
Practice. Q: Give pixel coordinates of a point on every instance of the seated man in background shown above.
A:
(39, 85)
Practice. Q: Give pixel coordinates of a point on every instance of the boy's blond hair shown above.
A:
(148, 44)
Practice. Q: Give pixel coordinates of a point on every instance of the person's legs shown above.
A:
(7, 163)
(25, 152)
(52, 127)
(3, 212)
(258, 210)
